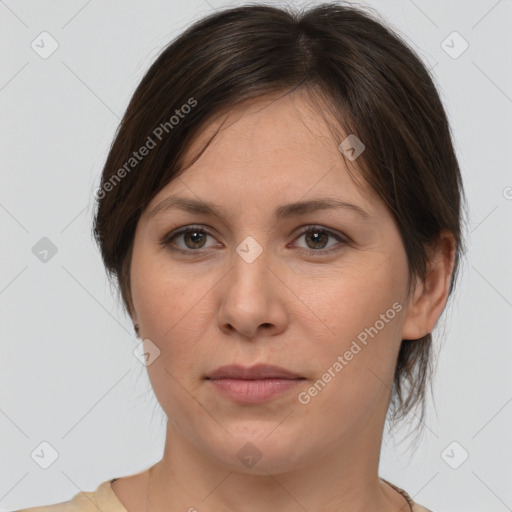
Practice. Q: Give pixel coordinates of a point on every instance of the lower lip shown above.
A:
(253, 391)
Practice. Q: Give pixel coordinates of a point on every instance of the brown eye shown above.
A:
(193, 239)
(317, 238)
(197, 238)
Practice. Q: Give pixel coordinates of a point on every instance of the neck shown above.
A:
(342, 477)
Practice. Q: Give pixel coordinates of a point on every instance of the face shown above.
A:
(319, 292)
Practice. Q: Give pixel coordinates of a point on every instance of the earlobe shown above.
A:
(135, 321)
(133, 315)
(429, 298)
(414, 325)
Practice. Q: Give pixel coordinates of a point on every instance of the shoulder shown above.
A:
(82, 502)
(103, 498)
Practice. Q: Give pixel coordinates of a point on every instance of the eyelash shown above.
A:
(168, 238)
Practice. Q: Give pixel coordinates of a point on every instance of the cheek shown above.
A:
(174, 312)
(162, 296)
(356, 298)
(169, 318)
(167, 311)
(363, 311)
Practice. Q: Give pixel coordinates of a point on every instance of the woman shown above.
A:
(281, 209)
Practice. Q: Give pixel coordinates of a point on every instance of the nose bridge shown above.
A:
(249, 296)
(250, 262)
(252, 297)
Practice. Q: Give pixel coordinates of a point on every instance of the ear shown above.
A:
(132, 312)
(134, 318)
(126, 290)
(429, 298)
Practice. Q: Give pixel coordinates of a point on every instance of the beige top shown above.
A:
(105, 500)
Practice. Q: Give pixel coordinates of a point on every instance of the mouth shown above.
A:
(254, 384)
(257, 372)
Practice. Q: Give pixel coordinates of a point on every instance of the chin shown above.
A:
(259, 454)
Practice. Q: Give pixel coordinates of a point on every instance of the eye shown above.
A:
(316, 239)
(194, 238)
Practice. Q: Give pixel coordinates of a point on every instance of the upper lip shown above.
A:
(259, 371)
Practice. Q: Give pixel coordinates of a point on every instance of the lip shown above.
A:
(257, 372)
(255, 384)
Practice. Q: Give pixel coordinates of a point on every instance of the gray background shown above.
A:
(68, 375)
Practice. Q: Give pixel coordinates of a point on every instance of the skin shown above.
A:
(287, 308)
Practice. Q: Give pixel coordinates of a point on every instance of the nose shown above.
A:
(252, 298)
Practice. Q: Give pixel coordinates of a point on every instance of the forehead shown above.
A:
(278, 148)
(269, 124)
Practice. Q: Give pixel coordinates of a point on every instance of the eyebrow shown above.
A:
(199, 207)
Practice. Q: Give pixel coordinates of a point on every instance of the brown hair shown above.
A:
(373, 83)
